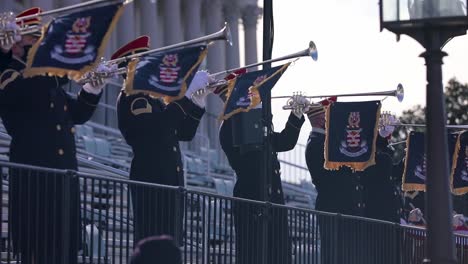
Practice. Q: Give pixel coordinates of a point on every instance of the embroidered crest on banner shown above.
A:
(420, 170)
(353, 146)
(464, 172)
(247, 99)
(75, 50)
(168, 73)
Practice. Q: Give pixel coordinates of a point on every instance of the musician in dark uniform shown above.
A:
(383, 198)
(40, 117)
(153, 130)
(370, 193)
(249, 219)
(338, 191)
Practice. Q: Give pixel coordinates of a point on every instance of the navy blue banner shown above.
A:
(166, 74)
(248, 90)
(414, 175)
(73, 44)
(459, 175)
(351, 133)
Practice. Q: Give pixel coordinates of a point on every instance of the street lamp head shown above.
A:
(406, 16)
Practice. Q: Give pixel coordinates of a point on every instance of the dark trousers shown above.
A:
(44, 217)
(156, 212)
(250, 222)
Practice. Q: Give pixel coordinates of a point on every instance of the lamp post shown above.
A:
(432, 23)
(267, 127)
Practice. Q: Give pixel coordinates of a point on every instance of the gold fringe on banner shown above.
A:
(61, 72)
(254, 89)
(408, 187)
(131, 71)
(463, 190)
(355, 166)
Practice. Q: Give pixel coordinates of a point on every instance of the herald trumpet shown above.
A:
(399, 93)
(223, 34)
(9, 17)
(310, 51)
(389, 119)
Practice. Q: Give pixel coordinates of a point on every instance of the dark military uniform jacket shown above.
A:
(154, 130)
(382, 197)
(248, 165)
(338, 191)
(40, 117)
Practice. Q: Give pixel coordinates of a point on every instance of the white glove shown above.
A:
(387, 130)
(415, 215)
(300, 105)
(100, 78)
(197, 91)
(12, 35)
(458, 220)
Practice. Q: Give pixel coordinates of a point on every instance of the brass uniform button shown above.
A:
(72, 130)
(178, 169)
(52, 105)
(175, 149)
(59, 128)
(60, 152)
(65, 108)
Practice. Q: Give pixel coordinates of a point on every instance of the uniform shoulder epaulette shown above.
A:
(7, 77)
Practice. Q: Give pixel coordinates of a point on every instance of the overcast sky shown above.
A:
(354, 56)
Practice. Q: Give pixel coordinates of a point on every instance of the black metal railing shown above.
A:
(56, 216)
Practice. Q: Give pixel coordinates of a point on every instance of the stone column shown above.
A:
(172, 22)
(250, 15)
(216, 61)
(231, 11)
(124, 33)
(149, 20)
(126, 25)
(192, 19)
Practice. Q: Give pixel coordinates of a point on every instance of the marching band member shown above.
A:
(383, 198)
(153, 130)
(40, 117)
(248, 220)
(338, 191)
